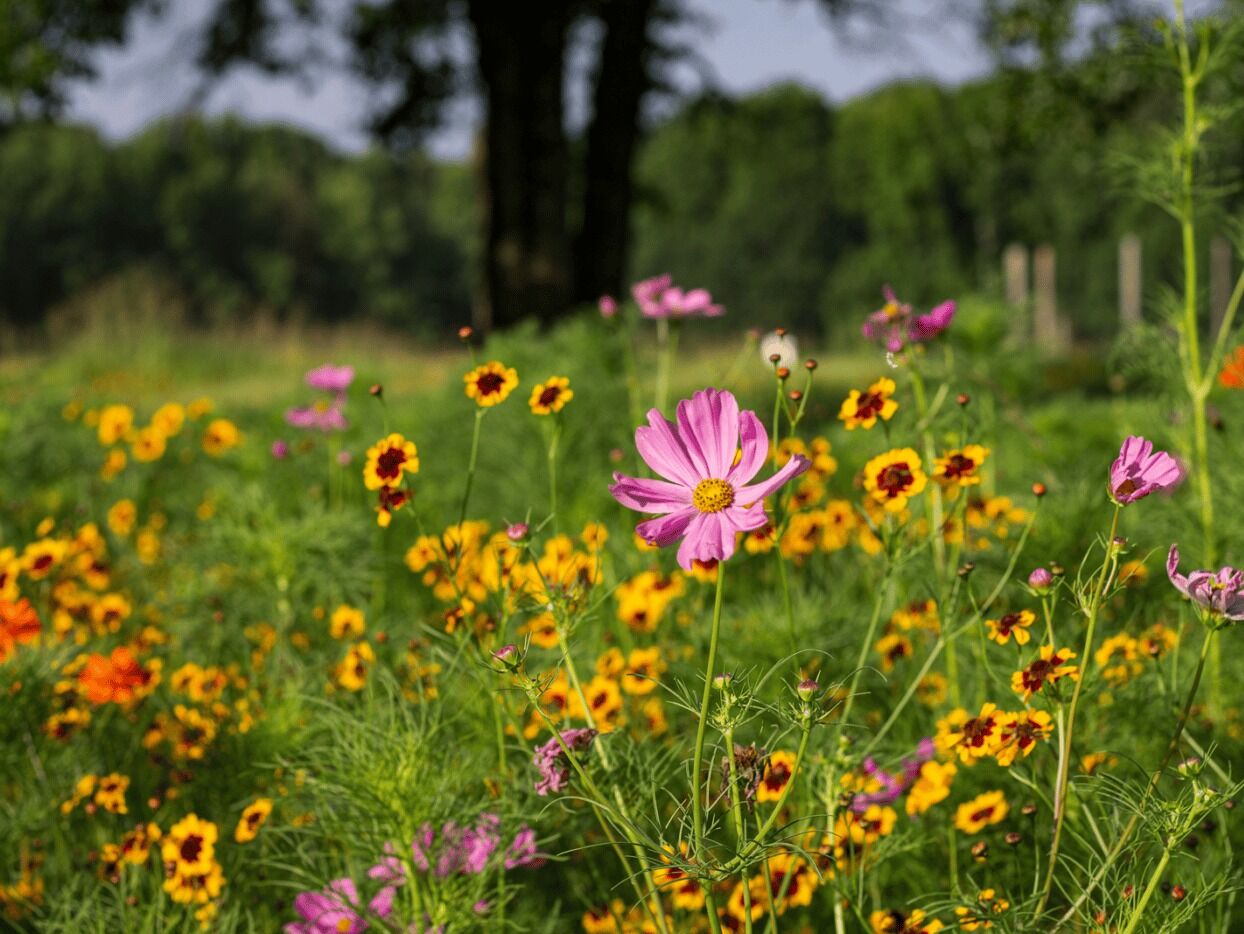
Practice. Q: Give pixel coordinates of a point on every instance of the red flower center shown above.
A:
(959, 465)
(549, 396)
(190, 848)
(489, 383)
(895, 478)
(869, 405)
(389, 464)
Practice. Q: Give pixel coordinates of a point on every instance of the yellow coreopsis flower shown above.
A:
(862, 409)
(491, 383)
(894, 477)
(550, 396)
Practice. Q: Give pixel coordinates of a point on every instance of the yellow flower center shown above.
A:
(712, 495)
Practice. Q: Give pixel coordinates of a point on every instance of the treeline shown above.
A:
(790, 210)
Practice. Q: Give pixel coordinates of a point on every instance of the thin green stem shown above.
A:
(697, 762)
(1130, 828)
(1064, 753)
(470, 477)
(1154, 879)
(736, 811)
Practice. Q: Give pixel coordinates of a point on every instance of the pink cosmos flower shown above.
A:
(658, 297)
(893, 786)
(318, 417)
(896, 324)
(927, 326)
(708, 460)
(329, 378)
(334, 909)
(608, 306)
(1222, 594)
(549, 759)
(1139, 471)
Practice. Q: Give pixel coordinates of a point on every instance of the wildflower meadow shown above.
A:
(648, 621)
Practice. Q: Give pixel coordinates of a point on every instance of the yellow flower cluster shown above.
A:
(621, 692)
(992, 734)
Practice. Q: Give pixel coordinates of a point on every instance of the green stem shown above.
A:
(1064, 754)
(1130, 828)
(1149, 890)
(554, 437)
(736, 811)
(470, 477)
(697, 762)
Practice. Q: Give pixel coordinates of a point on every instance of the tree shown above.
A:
(45, 43)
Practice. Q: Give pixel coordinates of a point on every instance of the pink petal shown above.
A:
(645, 495)
(665, 530)
(708, 423)
(662, 450)
(709, 538)
(754, 447)
(747, 495)
(746, 520)
(1172, 570)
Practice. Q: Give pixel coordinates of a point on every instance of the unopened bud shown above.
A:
(376, 390)
(963, 398)
(1013, 838)
(966, 569)
(794, 395)
(465, 333)
(783, 372)
(722, 681)
(1038, 490)
(1028, 809)
(1179, 893)
(807, 689)
(1040, 579)
(980, 851)
(516, 532)
(775, 358)
(780, 332)
(809, 364)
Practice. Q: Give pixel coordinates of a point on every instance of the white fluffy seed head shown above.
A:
(784, 345)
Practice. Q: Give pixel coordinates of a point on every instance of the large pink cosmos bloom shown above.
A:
(1139, 471)
(329, 378)
(1222, 594)
(708, 460)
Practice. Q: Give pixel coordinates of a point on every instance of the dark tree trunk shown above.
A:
(527, 257)
(623, 77)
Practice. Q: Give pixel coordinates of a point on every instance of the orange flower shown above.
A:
(1232, 374)
(19, 625)
(115, 678)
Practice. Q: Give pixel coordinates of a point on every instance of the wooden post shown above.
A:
(1129, 281)
(1048, 334)
(1015, 274)
(1219, 281)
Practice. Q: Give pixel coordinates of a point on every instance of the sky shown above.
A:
(741, 45)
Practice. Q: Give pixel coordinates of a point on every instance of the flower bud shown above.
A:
(775, 358)
(517, 532)
(608, 306)
(1028, 809)
(794, 395)
(966, 569)
(722, 681)
(1013, 838)
(1040, 579)
(1038, 490)
(783, 372)
(376, 390)
(807, 689)
(465, 333)
(980, 851)
(809, 364)
(963, 399)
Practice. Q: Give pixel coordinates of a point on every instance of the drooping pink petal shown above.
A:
(754, 493)
(1172, 570)
(753, 449)
(645, 495)
(708, 424)
(665, 530)
(708, 538)
(746, 520)
(663, 451)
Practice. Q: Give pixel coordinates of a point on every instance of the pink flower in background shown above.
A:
(322, 416)
(708, 460)
(927, 326)
(522, 852)
(1222, 594)
(549, 759)
(658, 297)
(889, 323)
(896, 324)
(280, 449)
(1139, 471)
(893, 786)
(329, 378)
(332, 910)
(608, 306)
